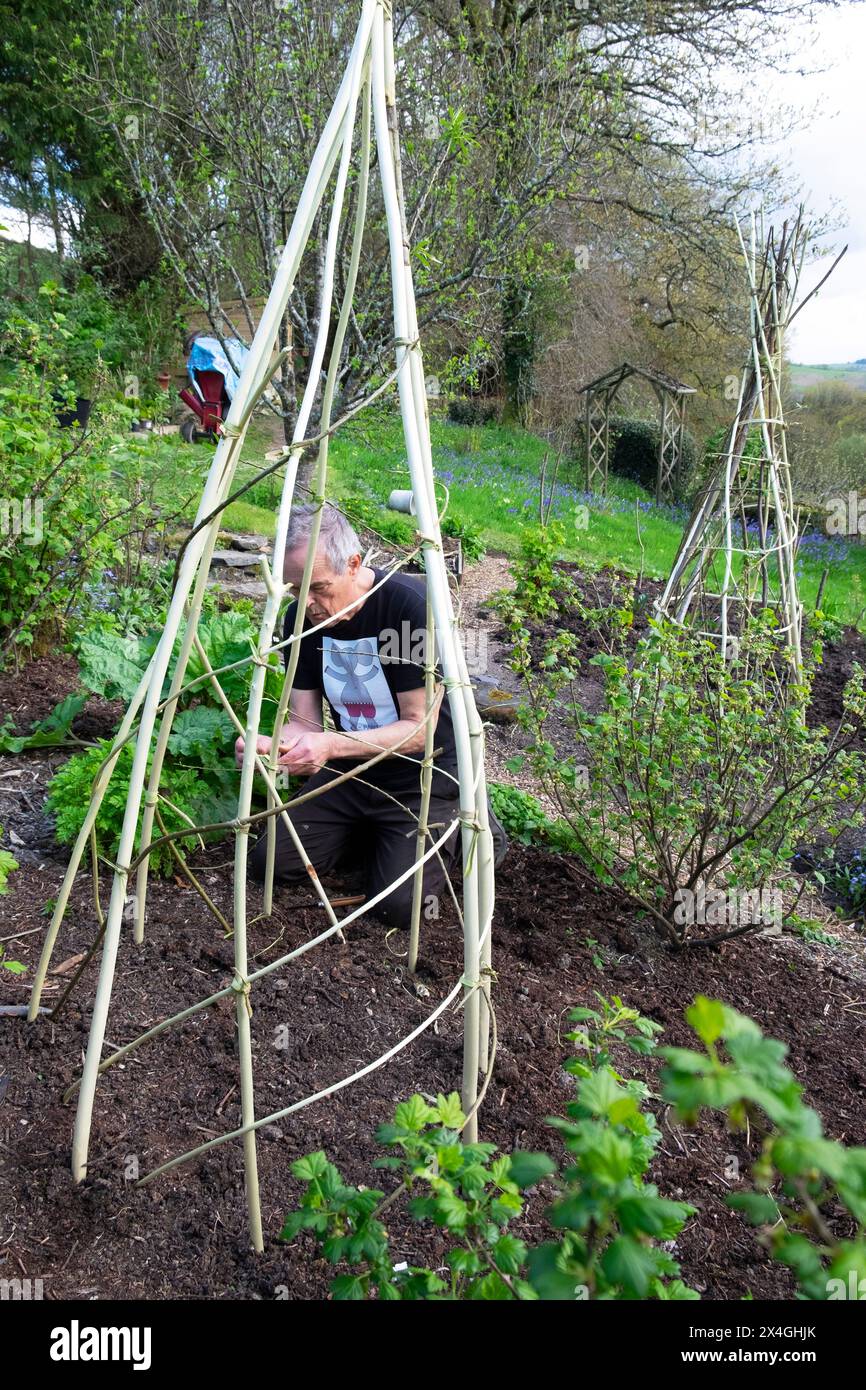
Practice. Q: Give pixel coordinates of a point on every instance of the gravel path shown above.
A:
(487, 655)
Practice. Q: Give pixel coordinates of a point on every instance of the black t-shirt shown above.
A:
(361, 665)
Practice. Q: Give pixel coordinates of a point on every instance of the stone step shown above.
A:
(240, 588)
(493, 701)
(235, 560)
(245, 540)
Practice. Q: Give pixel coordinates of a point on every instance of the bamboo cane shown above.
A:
(371, 63)
(771, 296)
(267, 773)
(192, 619)
(152, 793)
(102, 780)
(191, 1010)
(281, 807)
(308, 1100)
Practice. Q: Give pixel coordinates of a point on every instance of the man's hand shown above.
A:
(263, 748)
(305, 753)
(302, 754)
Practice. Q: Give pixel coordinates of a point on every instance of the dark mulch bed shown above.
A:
(555, 943)
(833, 675)
(30, 695)
(830, 679)
(341, 1005)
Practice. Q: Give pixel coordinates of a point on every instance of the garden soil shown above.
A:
(558, 940)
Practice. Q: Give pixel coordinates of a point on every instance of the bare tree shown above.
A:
(510, 113)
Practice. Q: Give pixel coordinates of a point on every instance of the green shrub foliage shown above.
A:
(697, 773)
(612, 1235)
(635, 451)
(199, 778)
(608, 1224)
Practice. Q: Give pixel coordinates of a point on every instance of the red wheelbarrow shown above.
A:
(210, 406)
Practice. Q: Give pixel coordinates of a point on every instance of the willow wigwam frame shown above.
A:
(738, 551)
(366, 100)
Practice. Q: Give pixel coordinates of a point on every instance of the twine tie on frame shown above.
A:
(470, 819)
(244, 989)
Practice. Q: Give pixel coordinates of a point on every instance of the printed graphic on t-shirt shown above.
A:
(355, 683)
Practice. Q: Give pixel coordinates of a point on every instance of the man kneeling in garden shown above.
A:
(366, 664)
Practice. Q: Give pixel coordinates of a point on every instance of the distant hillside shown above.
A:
(831, 373)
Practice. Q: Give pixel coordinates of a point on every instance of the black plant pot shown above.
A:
(79, 416)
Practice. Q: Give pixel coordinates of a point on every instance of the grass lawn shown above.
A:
(491, 473)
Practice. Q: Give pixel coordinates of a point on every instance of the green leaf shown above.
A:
(449, 1111)
(349, 1288)
(684, 1059)
(450, 1210)
(583, 1016)
(509, 1254)
(652, 1216)
(674, 1292)
(464, 1261)
(388, 1134)
(200, 732)
(707, 1017)
(490, 1289)
(414, 1114)
(8, 863)
(49, 732)
(111, 665)
(334, 1248)
(526, 1169)
(311, 1167)
(449, 1158)
(759, 1207)
(292, 1225)
(630, 1265)
(548, 1278)
(473, 1181)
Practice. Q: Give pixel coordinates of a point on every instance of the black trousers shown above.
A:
(355, 821)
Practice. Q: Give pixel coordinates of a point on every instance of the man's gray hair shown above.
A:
(338, 539)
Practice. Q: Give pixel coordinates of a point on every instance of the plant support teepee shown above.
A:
(738, 551)
(365, 104)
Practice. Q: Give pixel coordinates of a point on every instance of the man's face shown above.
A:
(329, 592)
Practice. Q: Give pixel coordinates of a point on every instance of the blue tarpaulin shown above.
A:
(208, 355)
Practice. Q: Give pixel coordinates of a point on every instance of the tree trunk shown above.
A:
(55, 213)
(518, 347)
